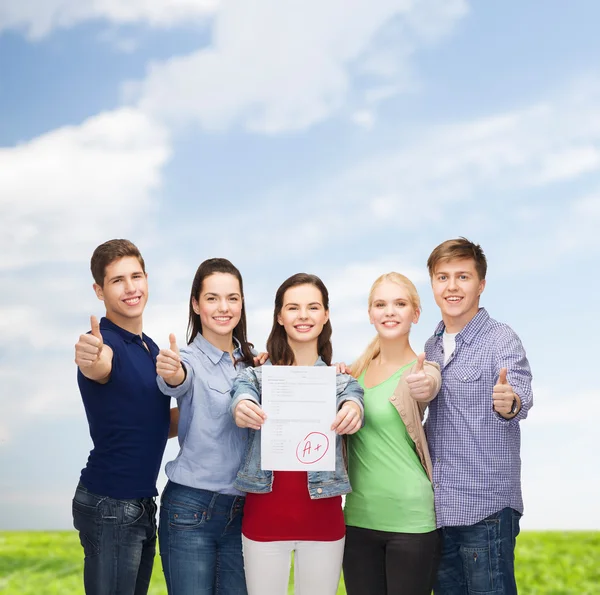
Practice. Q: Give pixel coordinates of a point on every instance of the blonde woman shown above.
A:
(392, 545)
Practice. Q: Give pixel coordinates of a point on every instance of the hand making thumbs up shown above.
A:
(89, 346)
(503, 395)
(419, 384)
(168, 363)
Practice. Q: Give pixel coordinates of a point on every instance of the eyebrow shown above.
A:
(295, 304)
(117, 277)
(217, 294)
(455, 272)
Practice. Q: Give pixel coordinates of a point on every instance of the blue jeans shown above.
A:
(119, 541)
(200, 537)
(480, 559)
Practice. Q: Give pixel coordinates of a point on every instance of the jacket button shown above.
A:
(319, 490)
(393, 398)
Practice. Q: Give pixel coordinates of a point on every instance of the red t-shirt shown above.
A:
(288, 513)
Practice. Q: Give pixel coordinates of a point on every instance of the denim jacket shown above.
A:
(321, 484)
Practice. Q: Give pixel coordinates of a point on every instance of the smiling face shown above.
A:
(124, 291)
(302, 315)
(219, 306)
(391, 310)
(456, 289)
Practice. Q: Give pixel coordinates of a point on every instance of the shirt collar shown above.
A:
(213, 353)
(128, 337)
(471, 329)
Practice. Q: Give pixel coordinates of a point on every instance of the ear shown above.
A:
(98, 291)
(416, 316)
(279, 319)
(481, 286)
(195, 306)
(326, 316)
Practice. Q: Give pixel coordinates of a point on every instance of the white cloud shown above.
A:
(39, 17)
(281, 65)
(62, 191)
(364, 118)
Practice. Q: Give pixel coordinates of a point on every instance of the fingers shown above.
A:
(168, 361)
(342, 368)
(261, 358)
(502, 376)
(89, 346)
(419, 365)
(249, 414)
(348, 420)
(95, 327)
(173, 344)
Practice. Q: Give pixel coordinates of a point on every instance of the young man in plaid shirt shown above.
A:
(473, 428)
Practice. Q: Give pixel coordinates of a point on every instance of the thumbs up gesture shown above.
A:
(89, 346)
(503, 395)
(168, 363)
(419, 384)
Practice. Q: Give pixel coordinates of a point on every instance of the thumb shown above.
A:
(95, 327)
(502, 376)
(173, 344)
(419, 365)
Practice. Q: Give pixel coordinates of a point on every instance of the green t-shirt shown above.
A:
(390, 488)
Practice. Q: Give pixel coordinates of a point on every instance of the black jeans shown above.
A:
(386, 563)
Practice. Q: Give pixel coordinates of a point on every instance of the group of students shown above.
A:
(427, 506)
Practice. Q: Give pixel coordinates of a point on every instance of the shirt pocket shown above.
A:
(219, 398)
(467, 374)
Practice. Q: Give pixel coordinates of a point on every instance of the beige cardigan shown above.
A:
(411, 411)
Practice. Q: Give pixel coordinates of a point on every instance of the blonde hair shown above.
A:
(373, 349)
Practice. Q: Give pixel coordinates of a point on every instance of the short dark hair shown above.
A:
(280, 353)
(105, 254)
(207, 268)
(458, 249)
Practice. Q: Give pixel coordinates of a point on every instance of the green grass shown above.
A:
(549, 563)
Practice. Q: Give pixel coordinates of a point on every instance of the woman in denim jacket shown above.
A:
(294, 511)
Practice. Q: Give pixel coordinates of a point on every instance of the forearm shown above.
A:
(174, 424)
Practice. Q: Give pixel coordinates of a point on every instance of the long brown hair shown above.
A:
(207, 268)
(278, 347)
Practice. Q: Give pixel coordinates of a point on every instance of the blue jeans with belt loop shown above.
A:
(479, 559)
(119, 542)
(200, 538)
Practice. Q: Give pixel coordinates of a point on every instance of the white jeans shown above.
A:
(317, 566)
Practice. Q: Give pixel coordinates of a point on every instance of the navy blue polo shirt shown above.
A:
(128, 418)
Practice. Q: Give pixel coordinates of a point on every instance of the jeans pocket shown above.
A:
(478, 569)
(86, 519)
(131, 512)
(181, 517)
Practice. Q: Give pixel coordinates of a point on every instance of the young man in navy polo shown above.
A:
(113, 506)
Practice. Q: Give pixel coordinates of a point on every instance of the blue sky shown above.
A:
(345, 138)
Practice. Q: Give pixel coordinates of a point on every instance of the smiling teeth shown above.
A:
(132, 300)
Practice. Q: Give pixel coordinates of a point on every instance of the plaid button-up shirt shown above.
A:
(475, 452)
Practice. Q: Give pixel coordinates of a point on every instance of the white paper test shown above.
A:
(300, 405)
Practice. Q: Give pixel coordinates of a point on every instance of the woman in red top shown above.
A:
(287, 519)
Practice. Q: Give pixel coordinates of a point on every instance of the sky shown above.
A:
(345, 138)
